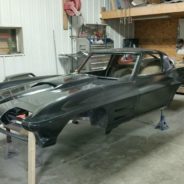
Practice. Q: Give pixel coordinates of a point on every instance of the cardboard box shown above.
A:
(4, 51)
(3, 45)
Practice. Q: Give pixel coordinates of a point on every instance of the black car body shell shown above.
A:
(51, 101)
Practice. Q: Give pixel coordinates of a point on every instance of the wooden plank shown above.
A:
(31, 158)
(162, 37)
(149, 10)
(65, 18)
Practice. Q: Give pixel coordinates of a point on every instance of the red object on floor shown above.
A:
(72, 7)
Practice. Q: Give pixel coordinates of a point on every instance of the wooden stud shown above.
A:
(31, 158)
(65, 18)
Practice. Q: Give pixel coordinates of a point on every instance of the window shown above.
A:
(150, 64)
(11, 41)
(122, 65)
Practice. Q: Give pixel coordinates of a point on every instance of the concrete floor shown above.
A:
(134, 153)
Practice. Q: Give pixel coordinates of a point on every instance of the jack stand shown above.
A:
(162, 125)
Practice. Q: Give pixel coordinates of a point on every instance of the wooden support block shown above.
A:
(31, 158)
(65, 18)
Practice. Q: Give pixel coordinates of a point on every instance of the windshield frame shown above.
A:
(83, 64)
(110, 61)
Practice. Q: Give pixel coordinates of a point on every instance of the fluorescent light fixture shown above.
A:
(152, 17)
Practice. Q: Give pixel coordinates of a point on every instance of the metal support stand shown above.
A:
(31, 148)
(162, 125)
(10, 150)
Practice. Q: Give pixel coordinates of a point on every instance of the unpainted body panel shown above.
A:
(50, 102)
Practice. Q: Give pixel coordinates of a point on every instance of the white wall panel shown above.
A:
(2, 74)
(39, 20)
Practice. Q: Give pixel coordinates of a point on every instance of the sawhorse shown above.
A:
(31, 147)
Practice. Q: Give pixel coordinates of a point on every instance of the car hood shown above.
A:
(41, 93)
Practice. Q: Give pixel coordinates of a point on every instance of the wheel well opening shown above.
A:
(14, 114)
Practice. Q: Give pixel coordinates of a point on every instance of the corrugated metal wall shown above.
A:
(91, 14)
(42, 22)
(38, 19)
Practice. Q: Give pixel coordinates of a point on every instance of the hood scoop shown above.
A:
(76, 82)
(67, 81)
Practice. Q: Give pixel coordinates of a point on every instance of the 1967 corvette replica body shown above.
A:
(110, 87)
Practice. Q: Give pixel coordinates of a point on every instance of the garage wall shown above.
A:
(42, 23)
(119, 31)
(38, 19)
(115, 30)
(160, 34)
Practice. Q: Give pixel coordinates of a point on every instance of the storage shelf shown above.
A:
(176, 9)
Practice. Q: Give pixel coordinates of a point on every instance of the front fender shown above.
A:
(46, 132)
